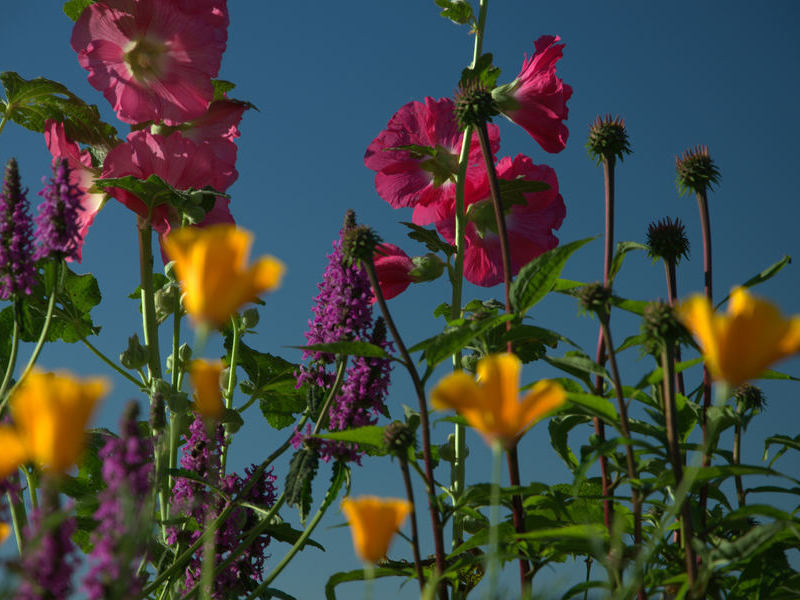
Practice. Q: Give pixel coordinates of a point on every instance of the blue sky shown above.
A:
(327, 79)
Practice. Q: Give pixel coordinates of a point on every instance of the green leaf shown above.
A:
(153, 191)
(371, 435)
(483, 73)
(770, 374)
(458, 11)
(559, 428)
(302, 470)
(513, 191)
(430, 238)
(439, 347)
(361, 574)
(578, 365)
(270, 593)
(30, 103)
(283, 532)
(748, 544)
(766, 274)
(622, 249)
(74, 8)
(539, 276)
(221, 88)
(780, 440)
(348, 349)
(594, 406)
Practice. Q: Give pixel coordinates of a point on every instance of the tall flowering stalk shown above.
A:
(17, 273)
(57, 230)
(125, 506)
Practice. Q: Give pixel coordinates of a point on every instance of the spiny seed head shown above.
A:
(667, 240)
(595, 298)
(358, 243)
(474, 105)
(608, 139)
(661, 326)
(695, 171)
(750, 398)
(398, 437)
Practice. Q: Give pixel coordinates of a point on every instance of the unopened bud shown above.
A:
(608, 139)
(135, 355)
(398, 438)
(695, 171)
(426, 268)
(667, 240)
(474, 105)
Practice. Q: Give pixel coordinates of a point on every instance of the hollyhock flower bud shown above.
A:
(537, 98)
(667, 240)
(152, 59)
(695, 171)
(82, 175)
(608, 139)
(57, 229)
(415, 158)
(17, 272)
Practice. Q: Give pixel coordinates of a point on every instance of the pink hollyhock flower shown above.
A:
(177, 160)
(421, 177)
(529, 225)
(393, 267)
(537, 98)
(218, 129)
(153, 59)
(82, 175)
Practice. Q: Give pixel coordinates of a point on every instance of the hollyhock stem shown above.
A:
(494, 186)
(705, 223)
(176, 345)
(413, 517)
(149, 325)
(518, 515)
(676, 458)
(230, 388)
(369, 267)
(608, 253)
(629, 453)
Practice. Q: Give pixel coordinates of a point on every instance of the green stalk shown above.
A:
(493, 560)
(230, 388)
(4, 120)
(12, 358)
(458, 466)
(149, 325)
(111, 363)
(329, 398)
(18, 516)
(369, 581)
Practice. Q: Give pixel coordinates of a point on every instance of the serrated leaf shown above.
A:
(30, 103)
(152, 191)
(537, 278)
(559, 428)
(271, 380)
(458, 11)
(622, 249)
(430, 238)
(763, 276)
(595, 406)
(74, 8)
(348, 349)
(439, 347)
(221, 88)
(283, 532)
(302, 470)
(578, 365)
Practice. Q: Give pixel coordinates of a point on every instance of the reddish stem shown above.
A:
(518, 513)
(705, 223)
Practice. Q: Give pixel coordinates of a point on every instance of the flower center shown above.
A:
(145, 59)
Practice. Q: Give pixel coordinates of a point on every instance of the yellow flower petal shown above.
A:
(208, 395)
(491, 405)
(50, 413)
(741, 344)
(373, 523)
(13, 453)
(212, 266)
(5, 531)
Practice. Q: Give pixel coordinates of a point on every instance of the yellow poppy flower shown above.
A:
(208, 395)
(212, 266)
(492, 405)
(373, 522)
(5, 531)
(739, 345)
(50, 413)
(13, 453)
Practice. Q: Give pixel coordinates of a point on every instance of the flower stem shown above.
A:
(502, 233)
(12, 357)
(436, 527)
(337, 382)
(413, 517)
(626, 432)
(18, 515)
(149, 325)
(676, 458)
(705, 223)
(493, 560)
(369, 581)
(230, 388)
(99, 354)
(518, 515)
(672, 297)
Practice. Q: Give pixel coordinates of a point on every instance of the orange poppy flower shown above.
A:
(492, 404)
(741, 344)
(212, 266)
(373, 523)
(207, 393)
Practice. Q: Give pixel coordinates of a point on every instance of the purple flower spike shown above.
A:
(57, 228)
(17, 273)
(49, 558)
(128, 474)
